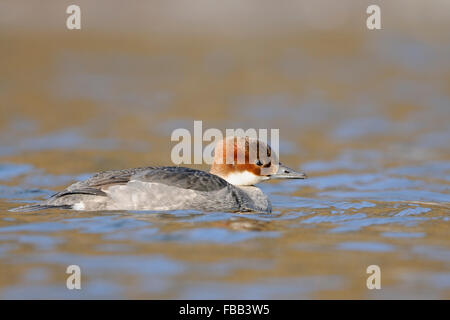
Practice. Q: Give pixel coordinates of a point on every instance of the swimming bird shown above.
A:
(239, 163)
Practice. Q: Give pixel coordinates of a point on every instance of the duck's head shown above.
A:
(245, 161)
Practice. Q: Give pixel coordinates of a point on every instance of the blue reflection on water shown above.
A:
(11, 170)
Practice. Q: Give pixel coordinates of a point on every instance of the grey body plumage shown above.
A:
(157, 188)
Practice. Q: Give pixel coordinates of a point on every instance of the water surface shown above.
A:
(367, 117)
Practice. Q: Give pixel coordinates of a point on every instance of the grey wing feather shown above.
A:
(93, 185)
(105, 178)
(181, 177)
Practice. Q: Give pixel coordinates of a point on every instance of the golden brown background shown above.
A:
(364, 113)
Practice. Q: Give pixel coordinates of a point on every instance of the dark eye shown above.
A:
(258, 162)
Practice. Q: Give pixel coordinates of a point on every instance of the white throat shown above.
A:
(244, 178)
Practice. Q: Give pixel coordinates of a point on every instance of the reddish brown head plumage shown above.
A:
(250, 159)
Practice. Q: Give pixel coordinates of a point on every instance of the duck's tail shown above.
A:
(37, 207)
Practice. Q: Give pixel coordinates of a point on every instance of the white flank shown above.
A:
(79, 206)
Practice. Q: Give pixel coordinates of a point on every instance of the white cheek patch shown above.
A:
(244, 178)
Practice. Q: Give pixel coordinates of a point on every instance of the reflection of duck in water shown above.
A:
(228, 186)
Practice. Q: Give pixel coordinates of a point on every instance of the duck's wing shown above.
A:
(99, 181)
(185, 178)
(180, 177)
